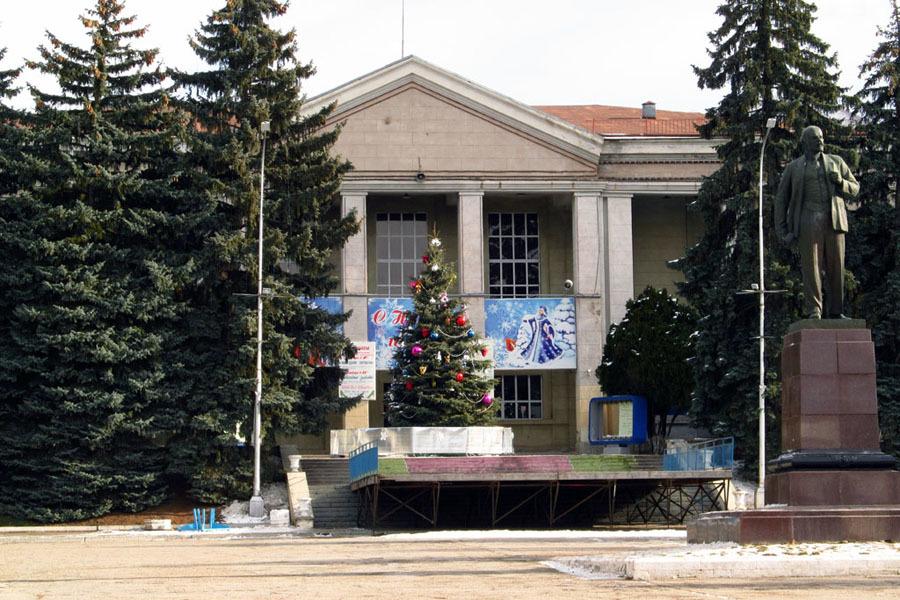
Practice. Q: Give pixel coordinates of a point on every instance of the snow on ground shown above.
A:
(549, 534)
(274, 496)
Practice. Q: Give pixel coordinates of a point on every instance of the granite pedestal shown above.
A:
(831, 482)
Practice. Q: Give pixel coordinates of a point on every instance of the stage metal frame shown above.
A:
(673, 495)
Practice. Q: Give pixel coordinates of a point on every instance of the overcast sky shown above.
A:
(615, 52)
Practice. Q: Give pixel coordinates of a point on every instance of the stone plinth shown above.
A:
(829, 421)
(829, 398)
(832, 476)
(797, 524)
(834, 487)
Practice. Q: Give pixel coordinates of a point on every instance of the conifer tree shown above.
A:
(873, 247)
(10, 136)
(438, 375)
(771, 65)
(255, 76)
(649, 353)
(11, 141)
(96, 249)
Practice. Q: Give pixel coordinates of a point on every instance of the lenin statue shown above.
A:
(810, 211)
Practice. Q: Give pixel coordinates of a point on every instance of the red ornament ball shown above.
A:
(409, 385)
(425, 259)
(484, 351)
(460, 320)
(424, 332)
(459, 376)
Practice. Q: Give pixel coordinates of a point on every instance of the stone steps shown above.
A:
(334, 504)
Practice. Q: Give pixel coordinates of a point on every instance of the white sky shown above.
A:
(613, 52)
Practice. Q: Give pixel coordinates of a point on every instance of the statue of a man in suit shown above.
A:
(810, 211)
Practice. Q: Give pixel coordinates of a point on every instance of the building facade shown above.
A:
(555, 214)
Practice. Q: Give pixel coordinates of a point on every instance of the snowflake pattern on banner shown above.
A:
(385, 317)
(533, 333)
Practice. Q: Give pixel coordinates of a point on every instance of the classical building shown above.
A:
(561, 213)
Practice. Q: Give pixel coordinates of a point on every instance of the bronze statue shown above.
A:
(809, 210)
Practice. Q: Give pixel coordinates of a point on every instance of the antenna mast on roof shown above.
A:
(402, 28)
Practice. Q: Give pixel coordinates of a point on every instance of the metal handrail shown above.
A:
(363, 461)
(701, 456)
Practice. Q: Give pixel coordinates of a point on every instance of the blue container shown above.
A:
(618, 420)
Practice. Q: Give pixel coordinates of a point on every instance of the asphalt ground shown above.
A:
(275, 564)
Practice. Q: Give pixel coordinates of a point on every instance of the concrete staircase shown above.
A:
(334, 505)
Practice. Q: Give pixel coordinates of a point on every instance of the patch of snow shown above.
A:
(274, 497)
(493, 534)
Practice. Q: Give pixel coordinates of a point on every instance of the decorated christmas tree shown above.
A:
(440, 373)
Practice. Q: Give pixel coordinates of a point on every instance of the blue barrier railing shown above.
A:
(363, 461)
(702, 456)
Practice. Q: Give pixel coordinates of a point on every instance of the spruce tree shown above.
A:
(649, 353)
(255, 76)
(771, 65)
(438, 375)
(11, 133)
(11, 142)
(94, 260)
(873, 245)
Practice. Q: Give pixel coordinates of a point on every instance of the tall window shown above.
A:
(514, 256)
(400, 241)
(520, 397)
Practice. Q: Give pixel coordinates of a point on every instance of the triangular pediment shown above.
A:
(413, 117)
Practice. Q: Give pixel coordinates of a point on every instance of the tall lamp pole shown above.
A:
(761, 490)
(257, 506)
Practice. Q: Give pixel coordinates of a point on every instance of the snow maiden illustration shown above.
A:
(535, 341)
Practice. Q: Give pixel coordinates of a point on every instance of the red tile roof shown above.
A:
(621, 120)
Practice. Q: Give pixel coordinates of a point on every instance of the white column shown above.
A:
(471, 243)
(353, 254)
(620, 255)
(590, 274)
(354, 280)
(471, 255)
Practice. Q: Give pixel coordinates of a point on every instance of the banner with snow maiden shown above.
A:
(533, 333)
(385, 317)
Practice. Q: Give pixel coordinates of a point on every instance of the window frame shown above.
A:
(514, 254)
(398, 254)
(517, 404)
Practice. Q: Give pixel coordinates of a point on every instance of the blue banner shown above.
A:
(531, 333)
(385, 317)
(329, 304)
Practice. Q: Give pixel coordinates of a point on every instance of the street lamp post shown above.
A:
(257, 506)
(761, 490)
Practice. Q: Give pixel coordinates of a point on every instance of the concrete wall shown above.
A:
(663, 230)
(556, 430)
(413, 129)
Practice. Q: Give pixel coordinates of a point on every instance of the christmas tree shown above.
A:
(254, 76)
(439, 373)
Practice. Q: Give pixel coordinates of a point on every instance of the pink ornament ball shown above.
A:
(412, 285)
(416, 350)
(487, 399)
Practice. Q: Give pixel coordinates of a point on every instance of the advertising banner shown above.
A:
(359, 373)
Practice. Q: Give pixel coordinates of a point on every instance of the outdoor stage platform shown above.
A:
(532, 490)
